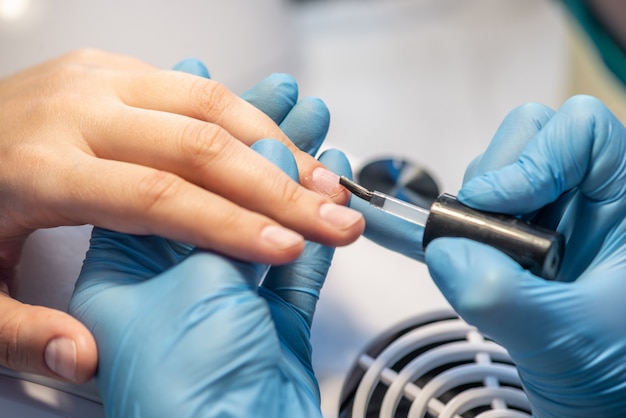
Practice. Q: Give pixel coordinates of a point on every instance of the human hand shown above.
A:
(195, 334)
(567, 337)
(171, 144)
(49, 342)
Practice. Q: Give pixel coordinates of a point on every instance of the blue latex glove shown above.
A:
(305, 124)
(193, 334)
(567, 337)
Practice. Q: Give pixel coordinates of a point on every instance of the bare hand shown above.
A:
(96, 138)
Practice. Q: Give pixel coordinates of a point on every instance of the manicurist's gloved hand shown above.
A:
(194, 335)
(185, 332)
(191, 335)
(567, 337)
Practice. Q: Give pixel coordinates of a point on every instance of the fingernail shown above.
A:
(60, 357)
(326, 181)
(339, 216)
(281, 237)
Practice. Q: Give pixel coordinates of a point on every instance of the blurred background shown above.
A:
(423, 80)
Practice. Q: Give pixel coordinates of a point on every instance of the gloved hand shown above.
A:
(185, 333)
(567, 337)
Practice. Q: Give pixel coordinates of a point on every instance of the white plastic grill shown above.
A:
(438, 367)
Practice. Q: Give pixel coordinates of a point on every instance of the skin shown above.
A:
(103, 139)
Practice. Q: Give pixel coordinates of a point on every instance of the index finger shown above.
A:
(517, 129)
(580, 146)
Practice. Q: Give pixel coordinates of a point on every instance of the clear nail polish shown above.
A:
(281, 237)
(339, 216)
(60, 357)
(326, 181)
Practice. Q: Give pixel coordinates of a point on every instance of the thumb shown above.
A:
(495, 294)
(45, 341)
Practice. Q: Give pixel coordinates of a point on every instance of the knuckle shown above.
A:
(10, 335)
(532, 113)
(201, 143)
(83, 55)
(290, 192)
(66, 88)
(231, 219)
(213, 98)
(157, 187)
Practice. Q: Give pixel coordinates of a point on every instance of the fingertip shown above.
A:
(70, 353)
(47, 342)
(343, 225)
(192, 66)
(307, 124)
(279, 154)
(583, 106)
(325, 178)
(472, 168)
(283, 80)
(391, 232)
(290, 243)
(337, 162)
(342, 218)
(87, 356)
(72, 357)
(476, 189)
(517, 129)
(282, 84)
(273, 244)
(275, 95)
(533, 115)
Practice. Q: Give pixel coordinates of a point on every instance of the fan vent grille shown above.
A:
(437, 367)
